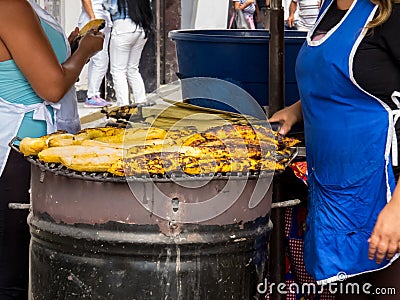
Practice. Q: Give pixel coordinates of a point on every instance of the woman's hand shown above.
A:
(290, 21)
(92, 42)
(73, 35)
(385, 238)
(287, 117)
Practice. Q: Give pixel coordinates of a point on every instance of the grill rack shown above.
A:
(60, 169)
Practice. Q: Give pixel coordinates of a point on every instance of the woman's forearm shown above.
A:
(27, 45)
(87, 6)
(288, 116)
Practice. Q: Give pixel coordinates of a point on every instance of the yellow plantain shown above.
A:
(32, 146)
(88, 163)
(94, 133)
(54, 154)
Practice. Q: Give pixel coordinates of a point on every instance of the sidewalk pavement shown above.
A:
(91, 116)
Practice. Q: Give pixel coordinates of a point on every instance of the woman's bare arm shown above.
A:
(87, 6)
(24, 41)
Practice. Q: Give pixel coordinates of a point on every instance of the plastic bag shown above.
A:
(238, 21)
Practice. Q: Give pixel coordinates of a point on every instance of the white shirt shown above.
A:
(99, 12)
(308, 12)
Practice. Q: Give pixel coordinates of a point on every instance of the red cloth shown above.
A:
(300, 170)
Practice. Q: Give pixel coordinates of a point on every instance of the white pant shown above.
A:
(98, 65)
(126, 45)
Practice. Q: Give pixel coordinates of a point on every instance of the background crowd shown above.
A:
(298, 14)
(125, 40)
(127, 26)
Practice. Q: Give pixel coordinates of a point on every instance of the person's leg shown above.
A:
(119, 54)
(250, 20)
(98, 66)
(14, 230)
(386, 283)
(134, 78)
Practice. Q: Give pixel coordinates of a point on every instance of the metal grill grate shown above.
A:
(60, 169)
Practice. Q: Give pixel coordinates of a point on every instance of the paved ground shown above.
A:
(91, 117)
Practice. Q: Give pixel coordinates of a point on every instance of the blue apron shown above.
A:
(348, 136)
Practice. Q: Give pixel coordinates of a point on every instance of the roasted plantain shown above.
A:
(54, 154)
(93, 25)
(32, 146)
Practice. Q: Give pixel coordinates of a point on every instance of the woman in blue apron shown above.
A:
(348, 73)
(36, 76)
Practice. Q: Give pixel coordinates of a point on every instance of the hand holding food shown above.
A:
(91, 33)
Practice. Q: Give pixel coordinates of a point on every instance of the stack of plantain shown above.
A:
(171, 114)
(90, 150)
(156, 151)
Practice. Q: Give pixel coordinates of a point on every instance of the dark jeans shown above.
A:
(14, 230)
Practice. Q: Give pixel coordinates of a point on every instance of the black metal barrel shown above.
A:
(94, 239)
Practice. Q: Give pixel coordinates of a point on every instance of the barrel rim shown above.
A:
(217, 35)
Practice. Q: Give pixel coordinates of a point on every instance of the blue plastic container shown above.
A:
(238, 56)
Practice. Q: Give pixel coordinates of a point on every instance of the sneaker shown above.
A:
(106, 103)
(95, 102)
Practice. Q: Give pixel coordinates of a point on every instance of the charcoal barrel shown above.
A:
(96, 239)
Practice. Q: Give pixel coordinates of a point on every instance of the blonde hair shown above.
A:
(384, 11)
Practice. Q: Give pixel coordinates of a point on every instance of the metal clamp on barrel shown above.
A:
(19, 206)
(288, 203)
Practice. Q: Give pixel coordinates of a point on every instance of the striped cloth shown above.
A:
(249, 10)
(308, 12)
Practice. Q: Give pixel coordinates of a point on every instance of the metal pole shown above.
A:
(276, 58)
(277, 265)
(277, 260)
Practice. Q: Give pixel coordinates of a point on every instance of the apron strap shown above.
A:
(394, 117)
(41, 113)
(43, 14)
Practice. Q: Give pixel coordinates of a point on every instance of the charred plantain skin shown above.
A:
(155, 151)
(125, 112)
(93, 25)
(146, 164)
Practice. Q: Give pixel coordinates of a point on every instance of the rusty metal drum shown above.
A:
(99, 237)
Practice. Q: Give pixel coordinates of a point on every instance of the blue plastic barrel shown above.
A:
(238, 56)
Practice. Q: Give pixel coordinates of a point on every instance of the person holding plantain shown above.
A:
(98, 65)
(37, 75)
